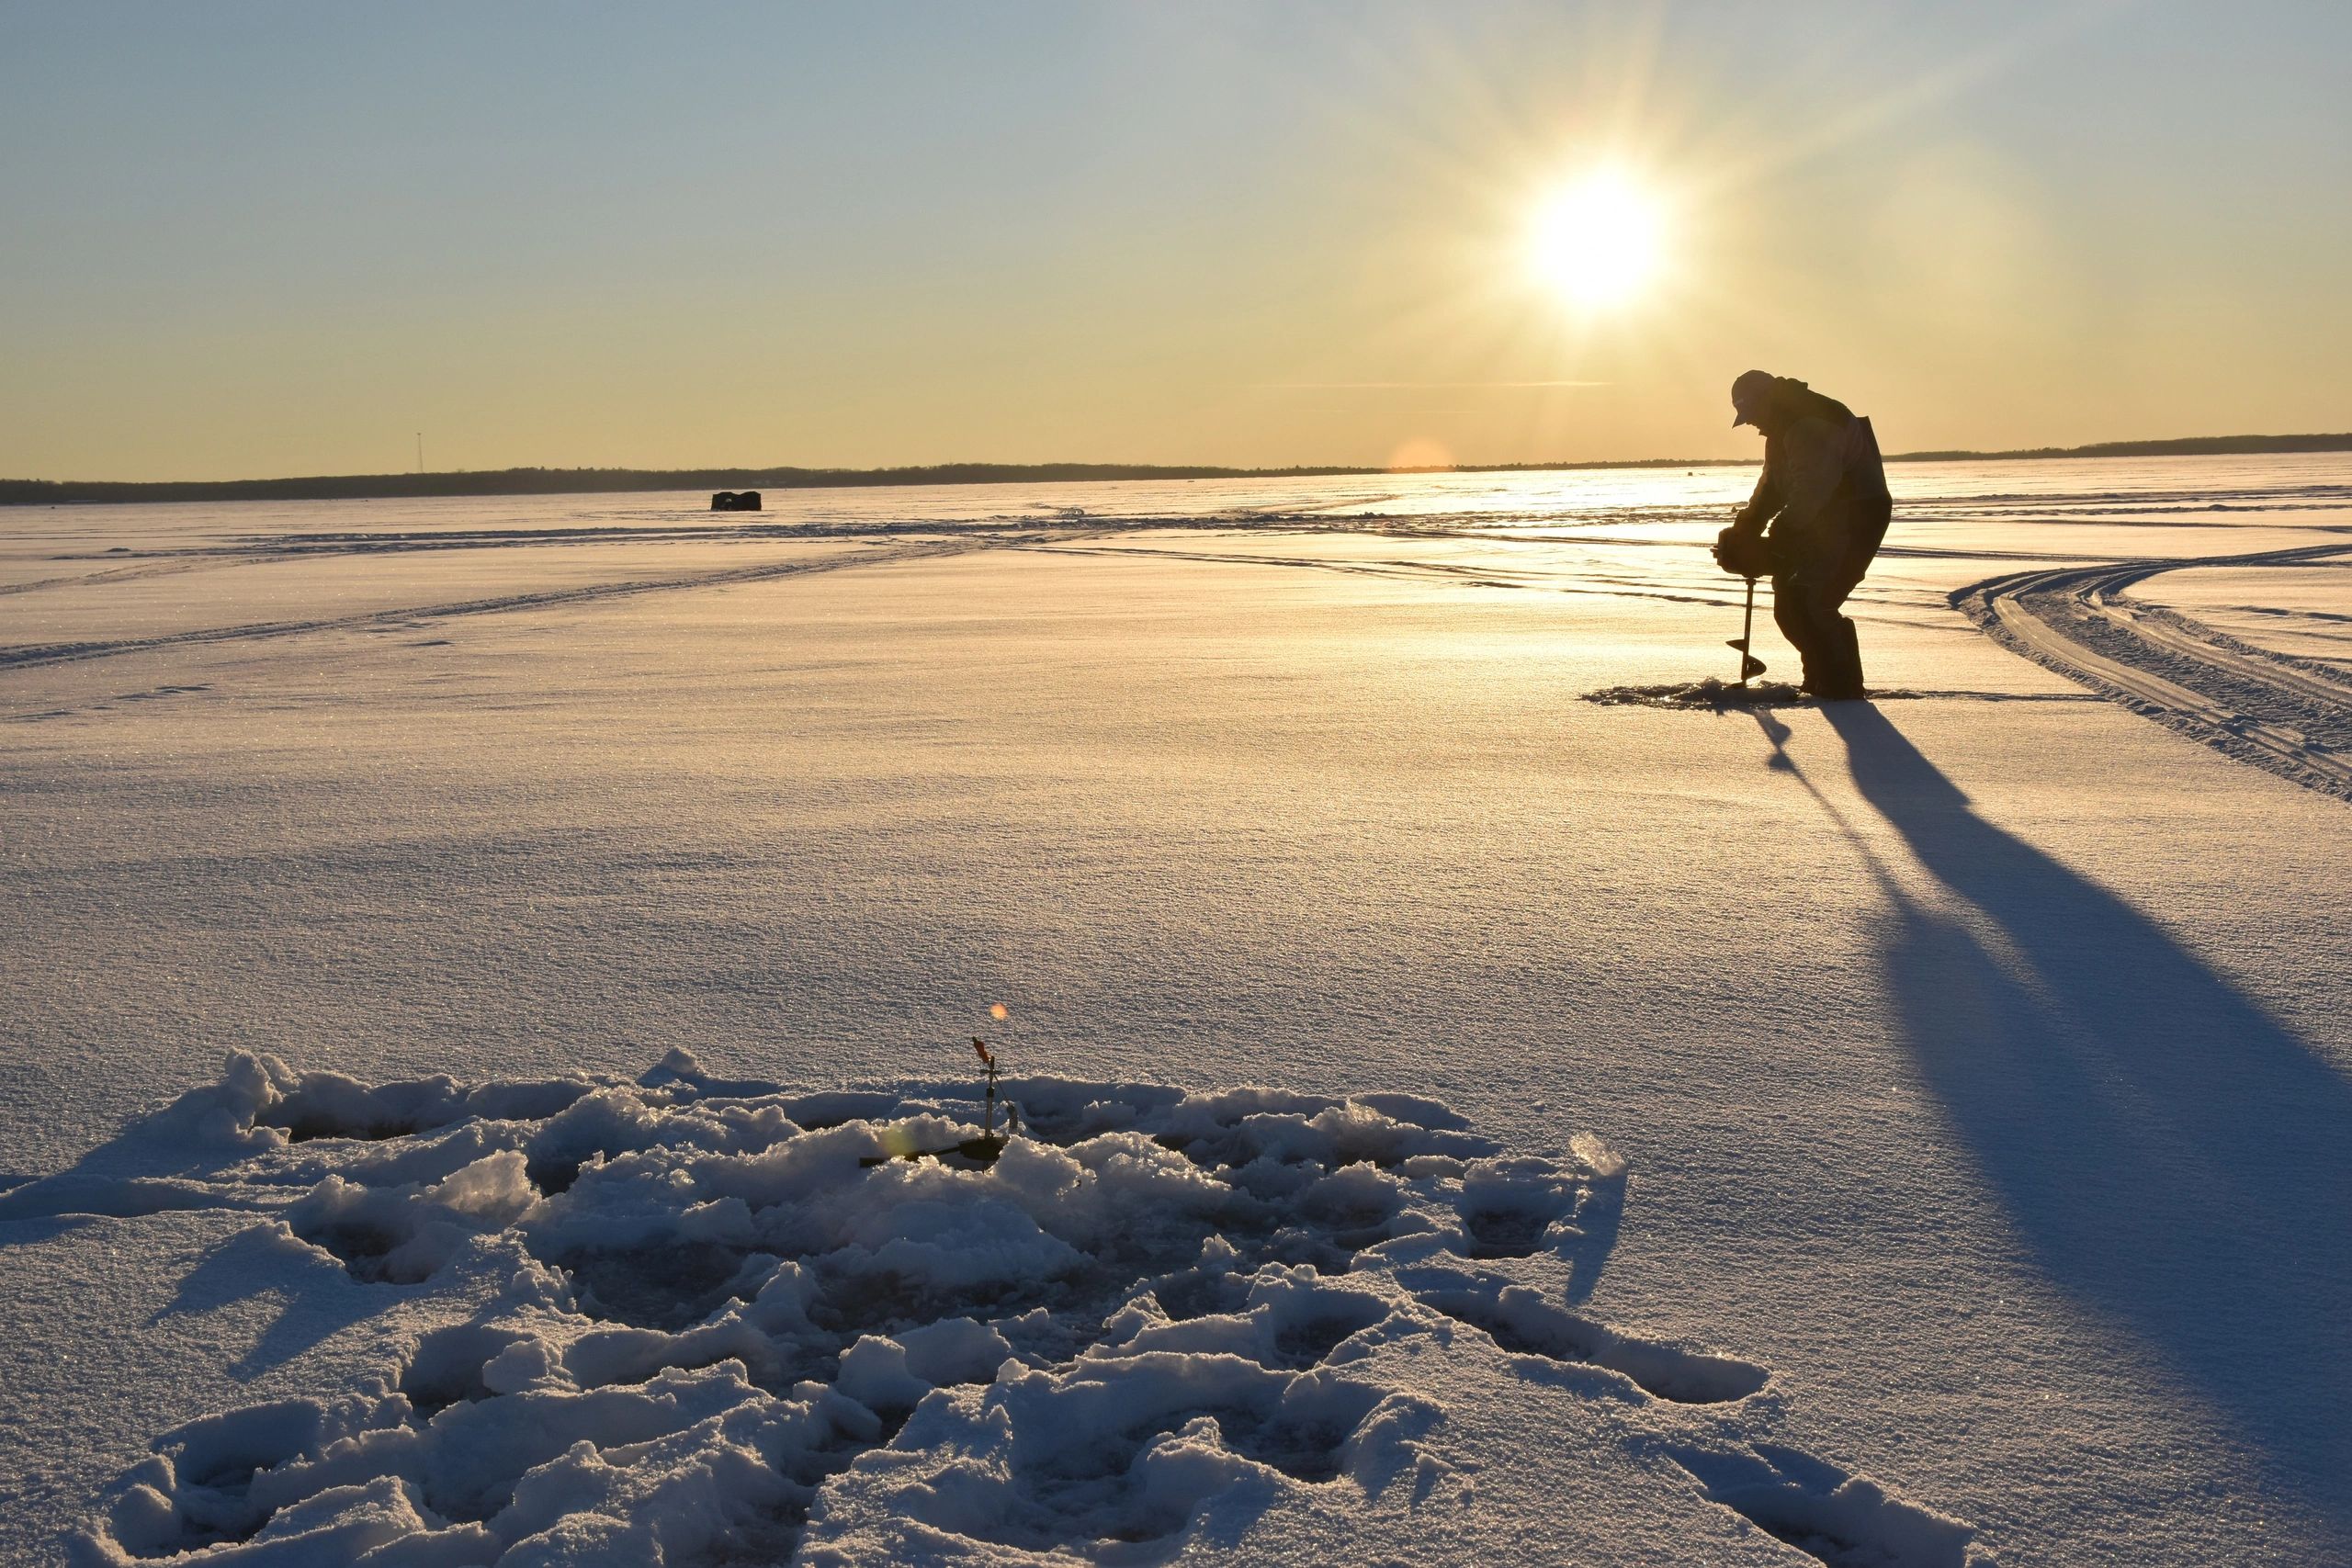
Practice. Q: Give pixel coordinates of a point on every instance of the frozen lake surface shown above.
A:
(1977, 1061)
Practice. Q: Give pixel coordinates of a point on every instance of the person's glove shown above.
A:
(1743, 554)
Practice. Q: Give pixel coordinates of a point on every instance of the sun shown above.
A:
(1600, 240)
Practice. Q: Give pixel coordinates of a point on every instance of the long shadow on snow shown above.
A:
(126, 1178)
(2172, 1154)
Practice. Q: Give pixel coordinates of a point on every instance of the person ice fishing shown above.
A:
(1823, 496)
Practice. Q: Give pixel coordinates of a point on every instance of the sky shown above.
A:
(262, 239)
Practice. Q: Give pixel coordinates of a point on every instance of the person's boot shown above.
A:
(1818, 661)
(1800, 636)
(1788, 615)
(1844, 682)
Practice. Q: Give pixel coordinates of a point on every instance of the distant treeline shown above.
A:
(566, 481)
(2186, 446)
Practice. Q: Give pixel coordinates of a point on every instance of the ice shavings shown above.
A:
(1716, 695)
(710, 1321)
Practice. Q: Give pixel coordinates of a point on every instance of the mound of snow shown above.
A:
(722, 1321)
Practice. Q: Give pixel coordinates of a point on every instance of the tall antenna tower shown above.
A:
(420, 451)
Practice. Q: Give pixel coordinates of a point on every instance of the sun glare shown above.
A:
(1599, 243)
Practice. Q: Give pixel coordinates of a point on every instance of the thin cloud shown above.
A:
(1415, 386)
(1957, 77)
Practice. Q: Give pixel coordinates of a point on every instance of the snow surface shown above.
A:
(2296, 610)
(1978, 1063)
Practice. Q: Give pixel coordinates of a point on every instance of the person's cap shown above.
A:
(1746, 393)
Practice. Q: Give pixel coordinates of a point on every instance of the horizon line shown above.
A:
(519, 478)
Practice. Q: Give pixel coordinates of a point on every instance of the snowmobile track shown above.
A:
(2290, 717)
(27, 656)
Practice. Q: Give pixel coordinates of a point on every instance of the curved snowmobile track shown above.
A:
(2290, 716)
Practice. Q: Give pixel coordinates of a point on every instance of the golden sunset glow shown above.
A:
(1599, 240)
(1418, 452)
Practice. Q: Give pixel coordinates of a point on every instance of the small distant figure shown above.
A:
(1824, 498)
(735, 500)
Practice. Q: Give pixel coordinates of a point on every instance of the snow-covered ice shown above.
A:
(1976, 1064)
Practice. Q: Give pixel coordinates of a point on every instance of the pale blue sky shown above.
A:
(250, 239)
